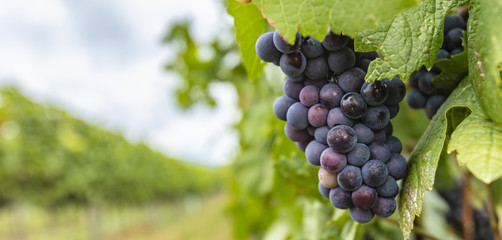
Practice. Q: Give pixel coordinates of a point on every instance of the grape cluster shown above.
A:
(423, 93)
(341, 122)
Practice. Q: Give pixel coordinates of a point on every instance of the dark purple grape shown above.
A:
(337, 117)
(342, 138)
(313, 152)
(433, 104)
(364, 197)
(318, 83)
(297, 116)
(292, 89)
(393, 110)
(416, 99)
(394, 144)
(380, 136)
(397, 166)
(281, 106)
(367, 55)
(352, 80)
(415, 76)
(302, 145)
(384, 207)
(311, 47)
(317, 68)
(453, 21)
(330, 95)
(359, 215)
(341, 60)
(364, 134)
(359, 155)
(282, 45)
(318, 115)
(265, 48)
(379, 151)
(324, 190)
(374, 93)
(396, 90)
(425, 83)
(453, 39)
(332, 161)
(293, 64)
(311, 130)
(333, 42)
(300, 78)
(389, 129)
(309, 95)
(350, 179)
(295, 134)
(389, 188)
(363, 64)
(321, 134)
(353, 105)
(376, 117)
(340, 198)
(374, 173)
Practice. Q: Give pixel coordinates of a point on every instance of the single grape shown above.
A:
(293, 64)
(353, 105)
(397, 166)
(297, 116)
(321, 134)
(342, 138)
(327, 179)
(265, 48)
(374, 173)
(317, 68)
(309, 95)
(453, 39)
(380, 135)
(425, 83)
(393, 110)
(292, 89)
(359, 155)
(281, 106)
(341, 60)
(332, 161)
(389, 188)
(416, 99)
(363, 64)
(340, 198)
(324, 190)
(415, 76)
(396, 90)
(295, 134)
(333, 42)
(350, 179)
(311, 47)
(364, 134)
(359, 215)
(389, 129)
(379, 151)
(337, 117)
(384, 207)
(367, 55)
(282, 45)
(311, 130)
(394, 144)
(376, 117)
(434, 102)
(352, 80)
(364, 197)
(374, 93)
(330, 95)
(303, 145)
(313, 152)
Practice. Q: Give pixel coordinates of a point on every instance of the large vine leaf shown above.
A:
(424, 159)
(314, 17)
(249, 25)
(412, 40)
(485, 54)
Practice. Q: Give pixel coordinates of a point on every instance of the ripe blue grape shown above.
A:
(309, 95)
(333, 42)
(360, 215)
(337, 117)
(330, 95)
(359, 155)
(384, 207)
(318, 115)
(303, 145)
(416, 99)
(340, 198)
(364, 197)
(453, 39)
(311, 47)
(297, 116)
(367, 55)
(283, 46)
(415, 76)
(380, 135)
(396, 91)
(425, 83)
(376, 117)
(442, 54)
(293, 64)
(393, 110)
(292, 89)
(342, 138)
(374, 173)
(434, 102)
(341, 60)
(324, 190)
(374, 93)
(352, 80)
(317, 68)
(319, 83)
(281, 106)
(295, 134)
(379, 151)
(332, 161)
(456, 51)
(394, 144)
(363, 64)
(300, 78)
(364, 134)
(350, 179)
(453, 21)
(353, 105)
(389, 188)
(321, 134)
(313, 152)
(397, 166)
(389, 129)
(265, 48)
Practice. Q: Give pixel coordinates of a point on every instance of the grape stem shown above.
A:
(468, 226)
(415, 229)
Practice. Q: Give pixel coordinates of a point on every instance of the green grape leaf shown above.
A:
(249, 25)
(423, 161)
(453, 70)
(314, 17)
(485, 55)
(413, 40)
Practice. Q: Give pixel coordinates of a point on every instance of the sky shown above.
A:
(102, 61)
